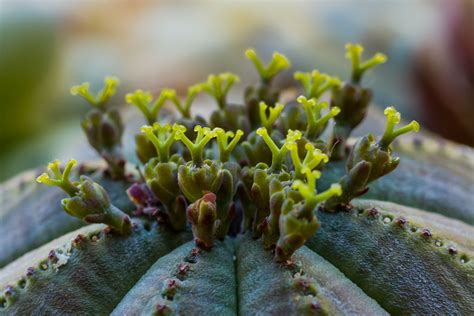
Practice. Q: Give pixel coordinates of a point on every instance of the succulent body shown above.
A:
(245, 216)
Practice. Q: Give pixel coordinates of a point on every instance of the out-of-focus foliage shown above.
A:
(28, 56)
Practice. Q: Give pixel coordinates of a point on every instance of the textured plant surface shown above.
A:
(255, 210)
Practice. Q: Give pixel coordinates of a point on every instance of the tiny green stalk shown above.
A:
(54, 177)
(143, 100)
(316, 123)
(184, 107)
(359, 67)
(100, 99)
(196, 148)
(226, 147)
(316, 83)
(393, 118)
(162, 136)
(218, 86)
(267, 72)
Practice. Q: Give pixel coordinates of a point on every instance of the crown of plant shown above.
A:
(252, 209)
(206, 177)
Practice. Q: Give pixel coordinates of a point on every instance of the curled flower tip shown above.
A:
(316, 83)
(100, 99)
(218, 86)
(278, 63)
(225, 148)
(354, 54)
(162, 137)
(393, 118)
(273, 114)
(315, 122)
(143, 101)
(54, 177)
(203, 136)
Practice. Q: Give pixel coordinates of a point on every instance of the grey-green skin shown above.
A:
(203, 283)
(97, 271)
(405, 267)
(270, 288)
(36, 213)
(415, 272)
(403, 271)
(420, 181)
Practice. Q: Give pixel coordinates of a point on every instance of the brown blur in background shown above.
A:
(47, 46)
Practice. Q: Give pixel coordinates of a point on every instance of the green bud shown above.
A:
(104, 132)
(202, 216)
(162, 179)
(91, 203)
(194, 181)
(294, 231)
(270, 226)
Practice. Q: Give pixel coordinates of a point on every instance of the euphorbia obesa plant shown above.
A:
(253, 212)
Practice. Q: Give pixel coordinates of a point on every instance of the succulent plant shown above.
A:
(253, 211)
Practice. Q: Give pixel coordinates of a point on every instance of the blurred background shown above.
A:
(47, 46)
